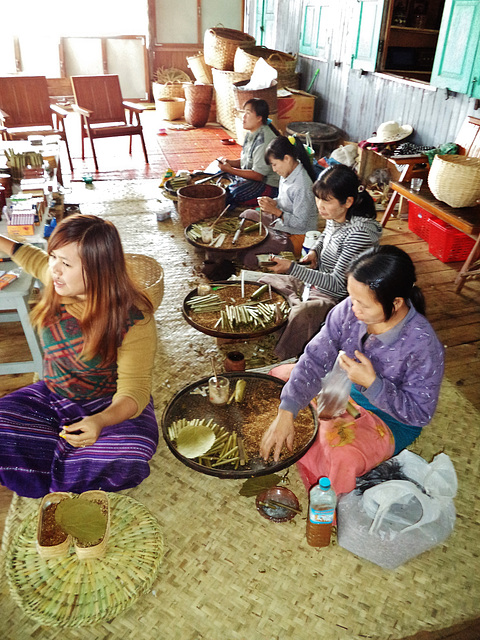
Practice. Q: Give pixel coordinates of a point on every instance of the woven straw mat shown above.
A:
(227, 572)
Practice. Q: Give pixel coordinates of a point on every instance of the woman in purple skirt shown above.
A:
(89, 424)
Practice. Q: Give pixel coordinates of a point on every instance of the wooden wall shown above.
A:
(358, 103)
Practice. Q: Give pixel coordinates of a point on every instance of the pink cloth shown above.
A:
(345, 448)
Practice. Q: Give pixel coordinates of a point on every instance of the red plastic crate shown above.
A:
(447, 243)
(418, 220)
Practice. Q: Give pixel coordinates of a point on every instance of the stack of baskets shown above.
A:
(455, 180)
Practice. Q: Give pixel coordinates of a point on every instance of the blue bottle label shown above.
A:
(321, 516)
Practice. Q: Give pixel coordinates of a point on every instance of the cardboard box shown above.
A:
(21, 229)
(294, 105)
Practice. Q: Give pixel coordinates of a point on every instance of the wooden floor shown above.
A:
(455, 317)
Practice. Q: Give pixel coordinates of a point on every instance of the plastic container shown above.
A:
(321, 513)
(311, 238)
(418, 220)
(447, 243)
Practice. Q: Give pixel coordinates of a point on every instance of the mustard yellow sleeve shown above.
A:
(135, 359)
(33, 260)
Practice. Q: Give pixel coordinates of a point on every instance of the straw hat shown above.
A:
(391, 131)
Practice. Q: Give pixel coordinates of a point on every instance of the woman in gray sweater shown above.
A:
(318, 282)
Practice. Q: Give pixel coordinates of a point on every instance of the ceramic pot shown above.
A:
(235, 361)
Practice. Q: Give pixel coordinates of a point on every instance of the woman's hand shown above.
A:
(279, 432)
(359, 371)
(281, 265)
(83, 433)
(269, 206)
(311, 259)
(224, 165)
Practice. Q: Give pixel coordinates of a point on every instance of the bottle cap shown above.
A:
(324, 483)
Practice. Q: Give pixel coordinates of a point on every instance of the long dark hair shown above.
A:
(262, 110)
(281, 147)
(341, 182)
(110, 292)
(390, 274)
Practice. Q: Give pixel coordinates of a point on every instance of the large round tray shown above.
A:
(218, 333)
(254, 239)
(190, 406)
(223, 181)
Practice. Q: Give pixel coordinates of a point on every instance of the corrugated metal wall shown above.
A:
(357, 103)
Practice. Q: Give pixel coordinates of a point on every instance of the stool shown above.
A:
(15, 299)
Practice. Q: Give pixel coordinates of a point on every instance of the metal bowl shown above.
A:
(275, 512)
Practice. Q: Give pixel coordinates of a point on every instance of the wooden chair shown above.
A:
(468, 142)
(26, 109)
(99, 102)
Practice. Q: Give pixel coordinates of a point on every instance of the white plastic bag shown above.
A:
(395, 521)
(335, 392)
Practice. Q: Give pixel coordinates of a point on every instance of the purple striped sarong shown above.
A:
(35, 461)
(246, 192)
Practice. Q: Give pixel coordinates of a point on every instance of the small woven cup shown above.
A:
(58, 550)
(97, 550)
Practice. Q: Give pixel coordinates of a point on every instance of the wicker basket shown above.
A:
(198, 103)
(149, 275)
(170, 108)
(200, 69)
(200, 201)
(60, 550)
(220, 45)
(97, 550)
(167, 90)
(285, 64)
(242, 95)
(455, 180)
(224, 96)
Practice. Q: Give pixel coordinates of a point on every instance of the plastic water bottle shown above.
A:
(321, 512)
(310, 239)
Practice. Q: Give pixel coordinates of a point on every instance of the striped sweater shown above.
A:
(336, 247)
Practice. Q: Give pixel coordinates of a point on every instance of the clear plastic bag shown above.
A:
(335, 392)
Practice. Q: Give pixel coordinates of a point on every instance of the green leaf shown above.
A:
(82, 518)
(254, 486)
(194, 441)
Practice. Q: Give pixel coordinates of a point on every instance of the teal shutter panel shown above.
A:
(457, 58)
(265, 22)
(310, 24)
(368, 36)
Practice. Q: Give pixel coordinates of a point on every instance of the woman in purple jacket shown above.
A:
(393, 359)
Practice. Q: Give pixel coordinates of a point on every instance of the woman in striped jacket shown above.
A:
(318, 282)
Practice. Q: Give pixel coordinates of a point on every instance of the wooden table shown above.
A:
(14, 302)
(465, 219)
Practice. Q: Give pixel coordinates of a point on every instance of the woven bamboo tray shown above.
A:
(68, 592)
(236, 418)
(231, 289)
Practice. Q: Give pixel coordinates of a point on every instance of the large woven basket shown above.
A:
(167, 90)
(224, 96)
(198, 103)
(200, 69)
(455, 180)
(200, 201)
(148, 274)
(170, 108)
(247, 57)
(242, 95)
(220, 45)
